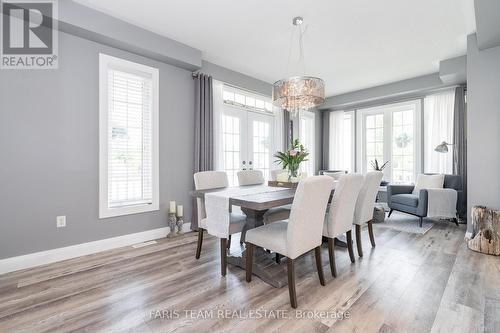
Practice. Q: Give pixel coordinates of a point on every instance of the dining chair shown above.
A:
(250, 177)
(340, 214)
(301, 234)
(364, 207)
(206, 180)
(256, 177)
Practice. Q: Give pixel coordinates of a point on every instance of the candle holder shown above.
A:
(172, 221)
(180, 222)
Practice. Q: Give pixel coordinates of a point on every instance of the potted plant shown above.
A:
(292, 158)
(378, 167)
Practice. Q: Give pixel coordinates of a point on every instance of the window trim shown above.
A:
(106, 62)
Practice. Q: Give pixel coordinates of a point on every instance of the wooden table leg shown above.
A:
(255, 218)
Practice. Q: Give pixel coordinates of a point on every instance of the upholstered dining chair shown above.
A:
(340, 214)
(301, 234)
(250, 177)
(364, 207)
(255, 177)
(207, 180)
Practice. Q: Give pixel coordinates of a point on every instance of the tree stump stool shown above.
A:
(486, 235)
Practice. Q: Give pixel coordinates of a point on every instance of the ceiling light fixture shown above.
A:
(299, 92)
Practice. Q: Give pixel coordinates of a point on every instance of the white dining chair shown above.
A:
(365, 205)
(340, 214)
(301, 234)
(207, 180)
(256, 177)
(250, 177)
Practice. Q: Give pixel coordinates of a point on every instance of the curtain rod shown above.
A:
(194, 75)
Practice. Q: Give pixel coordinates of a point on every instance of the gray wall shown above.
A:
(387, 93)
(483, 125)
(236, 79)
(49, 147)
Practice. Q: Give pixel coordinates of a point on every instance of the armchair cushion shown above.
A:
(405, 199)
(428, 181)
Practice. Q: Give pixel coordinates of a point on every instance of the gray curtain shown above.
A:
(460, 138)
(203, 131)
(325, 136)
(287, 133)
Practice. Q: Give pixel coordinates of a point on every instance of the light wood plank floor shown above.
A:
(408, 283)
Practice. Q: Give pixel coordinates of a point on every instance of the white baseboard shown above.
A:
(468, 235)
(63, 253)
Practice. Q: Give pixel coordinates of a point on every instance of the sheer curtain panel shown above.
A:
(438, 127)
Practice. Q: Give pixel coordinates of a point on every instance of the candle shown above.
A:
(180, 210)
(172, 207)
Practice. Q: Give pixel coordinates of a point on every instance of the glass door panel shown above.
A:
(403, 146)
(233, 132)
(374, 139)
(260, 142)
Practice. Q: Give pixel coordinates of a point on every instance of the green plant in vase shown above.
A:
(292, 158)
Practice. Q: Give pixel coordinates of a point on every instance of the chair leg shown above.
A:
(319, 265)
(370, 232)
(278, 258)
(223, 256)
(390, 212)
(229, 242)
(421, 221)
(358, 240)
(249, 261)
(349, 246)
(200, 241)
(291, 282)
(455, 220)
(331, 254)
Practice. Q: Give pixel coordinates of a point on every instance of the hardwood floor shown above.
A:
(408, 283)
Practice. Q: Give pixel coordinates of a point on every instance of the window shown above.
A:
(341, 140)
(307, 137)
(391, 133)
(245, 133)
(403, 159)
(246, 99)
(231, 139)
(128, 138)
(349, 141)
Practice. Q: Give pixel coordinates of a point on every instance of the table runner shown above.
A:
(217, 206)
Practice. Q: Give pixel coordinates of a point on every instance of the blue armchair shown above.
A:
(400, 198)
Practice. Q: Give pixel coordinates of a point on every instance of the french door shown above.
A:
(391, 133)
(246, 142)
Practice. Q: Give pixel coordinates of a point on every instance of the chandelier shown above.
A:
(299, 92)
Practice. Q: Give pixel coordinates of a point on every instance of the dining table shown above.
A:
(254, 206)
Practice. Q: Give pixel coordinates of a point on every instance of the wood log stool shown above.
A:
(486, 235)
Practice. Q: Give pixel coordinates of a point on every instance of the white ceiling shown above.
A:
(351, 44)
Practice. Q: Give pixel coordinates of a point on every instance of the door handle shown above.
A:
(244, 165)
(250, 167)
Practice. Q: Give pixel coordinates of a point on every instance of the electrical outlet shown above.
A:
(61, 221)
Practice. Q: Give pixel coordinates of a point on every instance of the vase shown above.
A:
(293, 175)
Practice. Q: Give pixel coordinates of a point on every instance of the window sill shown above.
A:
(128, 210)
